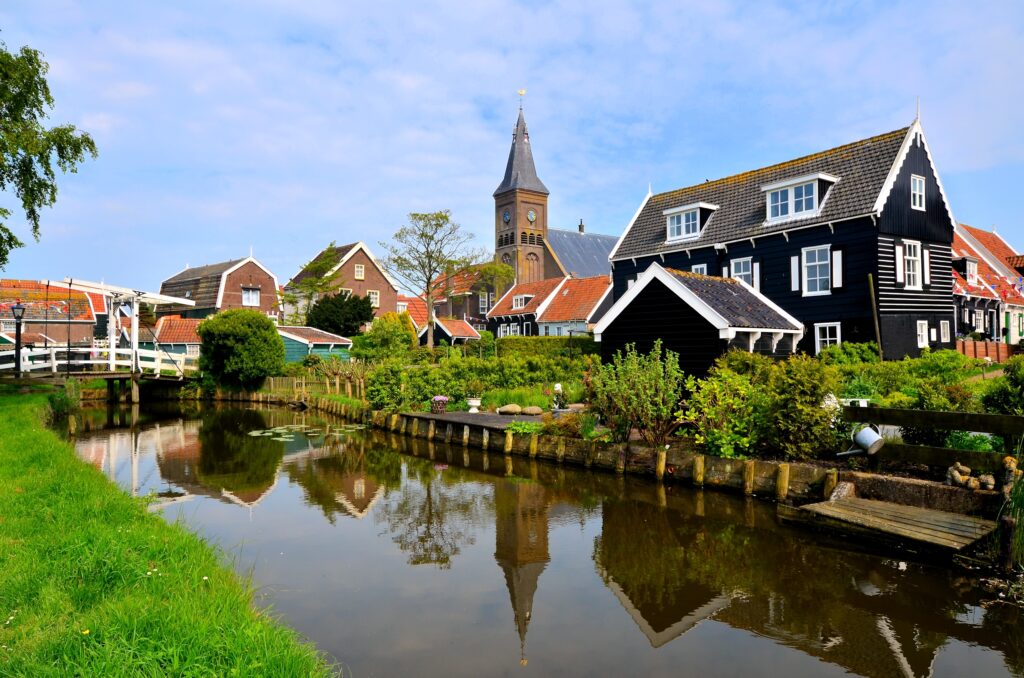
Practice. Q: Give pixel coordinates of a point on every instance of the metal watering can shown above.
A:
(867, 439)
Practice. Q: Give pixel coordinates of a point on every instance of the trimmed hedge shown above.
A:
(554, 347)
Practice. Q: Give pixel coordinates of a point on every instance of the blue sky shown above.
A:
(286, 125)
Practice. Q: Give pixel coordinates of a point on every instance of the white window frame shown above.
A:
(818, 343)
(922, 325)
(749, 261)
(944, 331)
(345, 290)
(513, 330)
(402, 307)
(247, 296)
(520, 301)
(374, 296)
(972, 273)
(683, 223)
(979, 321)
(360, 272)
(917, 260)
(803, 269)
(784, 193)
(192, 350)
(917, 192)
(7, 326)
(482, 303)
(702, 269)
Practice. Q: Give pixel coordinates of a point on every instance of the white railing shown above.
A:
(57, 359)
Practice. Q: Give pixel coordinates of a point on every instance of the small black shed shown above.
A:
(697, 316)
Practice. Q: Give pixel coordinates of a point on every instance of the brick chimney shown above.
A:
(581, 226)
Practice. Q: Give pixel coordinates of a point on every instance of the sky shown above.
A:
(281, 126)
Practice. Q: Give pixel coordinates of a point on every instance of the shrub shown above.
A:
(727, 410)
(850, 353)
(524, 396)
(799, 422)
(1006, 395)
(391, 336)
(641, 391)
(977, 442)
(551, 347)
(384, 386)
(342, 314)
(947, 366)
(241, 348)
(525, 427)
(933, 395)
(66, 400)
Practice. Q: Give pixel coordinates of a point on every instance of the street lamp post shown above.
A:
(18, 311)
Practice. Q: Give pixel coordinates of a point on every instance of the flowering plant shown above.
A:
(440, 399)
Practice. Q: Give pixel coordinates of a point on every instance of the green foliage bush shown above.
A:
(241, 348)
(770, 408)
(934, 395)
(850, 353)
(552, 347)
(524, 396)
(1006, 395)
(65, 401)
(342, 314)
(384, 386)
(392, 336)
(525, 427)
(639, 390)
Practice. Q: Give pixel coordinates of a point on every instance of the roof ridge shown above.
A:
(792, 161)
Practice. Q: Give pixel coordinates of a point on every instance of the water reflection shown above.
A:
(676, 577)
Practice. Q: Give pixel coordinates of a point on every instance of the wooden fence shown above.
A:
(997, 351)
(1010, 428)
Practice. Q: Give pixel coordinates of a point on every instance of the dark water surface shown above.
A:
(401, 558)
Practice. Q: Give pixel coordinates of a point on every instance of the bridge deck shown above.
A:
(908, 525)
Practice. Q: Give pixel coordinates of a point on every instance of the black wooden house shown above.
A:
(853, 242)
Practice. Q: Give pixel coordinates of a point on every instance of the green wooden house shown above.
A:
(300, 342)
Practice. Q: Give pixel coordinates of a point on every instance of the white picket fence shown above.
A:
(55, 360)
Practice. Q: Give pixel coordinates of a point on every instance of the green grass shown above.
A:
(92, 584)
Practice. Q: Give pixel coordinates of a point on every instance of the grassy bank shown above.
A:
(92, 584)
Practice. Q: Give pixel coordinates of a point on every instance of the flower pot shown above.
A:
(438, 406)
(474, 405)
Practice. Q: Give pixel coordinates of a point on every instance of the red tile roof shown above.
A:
(99, 302)
(576, 299)
(539, 290)
(992, 242)
(986, 274)
(417, 309)
(458, 284)
(44, 303)
(312, 335)
(172, 329)
(458, 328)
(960, 286)
(1016, 261)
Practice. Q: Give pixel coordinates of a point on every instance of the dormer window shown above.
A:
(686, 222)
(972, 272)
(796, 198)
(521, 300)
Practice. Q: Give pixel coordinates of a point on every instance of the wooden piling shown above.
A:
(659, 464)
(448, 433)
(748, 478)
(508, 442)
(465, 435)
(1007, 535)
(430, 430)
(486, 435)
(560, 449)
(533, 446)
(508, 466)
(782, 482)
(831, 480)
(698, 470)
(415, 427)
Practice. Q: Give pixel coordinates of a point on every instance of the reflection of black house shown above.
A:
(708, 315)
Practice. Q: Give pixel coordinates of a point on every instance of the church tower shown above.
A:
(521, 211)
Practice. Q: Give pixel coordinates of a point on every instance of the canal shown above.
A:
(403, 558)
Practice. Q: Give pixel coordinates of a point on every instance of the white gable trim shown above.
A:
(240, 264)
(308, 342)
(632, 221)
(543, 306)
(451, 334)
(361, 246)
(890, 180)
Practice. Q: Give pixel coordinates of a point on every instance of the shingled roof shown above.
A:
(312, 335)
(582, 255)
(198, 283)
(330, 255)
(520, 172)
(862, 168)
(45, 303)
(416, 308)
(457, 328)
(988, 247)
(728, 304)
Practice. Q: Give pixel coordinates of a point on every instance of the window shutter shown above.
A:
(725, 270)
(837, 268)
(927, 264)
(755, 274)
(900, 270)
(794, 273)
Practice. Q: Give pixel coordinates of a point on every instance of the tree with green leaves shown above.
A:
(425, 252)
(315, 282)
(391, 336)
(241, 348)
(30, 153)
(341, 313)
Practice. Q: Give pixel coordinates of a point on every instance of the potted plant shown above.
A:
(438, 404)
(474, 393)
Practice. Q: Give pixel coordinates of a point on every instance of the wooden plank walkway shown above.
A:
(910, 525)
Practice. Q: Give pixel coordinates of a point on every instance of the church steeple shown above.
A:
(520, 172)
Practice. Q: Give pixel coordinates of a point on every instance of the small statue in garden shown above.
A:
(558, 398)
(957, 475)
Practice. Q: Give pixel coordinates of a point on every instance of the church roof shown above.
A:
(582, 255)
(520, 172)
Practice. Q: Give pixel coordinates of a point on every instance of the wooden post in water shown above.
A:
(465, 435)
(508, 442)
(508, 467)
(560, 449)
(831, 480)
(415, 426)
(659, 465)
(698, 470)
(782, 482)
(748, 477)
(533, 446)
(1007, 535)
(485, 433)
(448, 434)
(430, 430)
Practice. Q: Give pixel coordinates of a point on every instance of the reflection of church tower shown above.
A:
(521, 211)
(521, 545)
